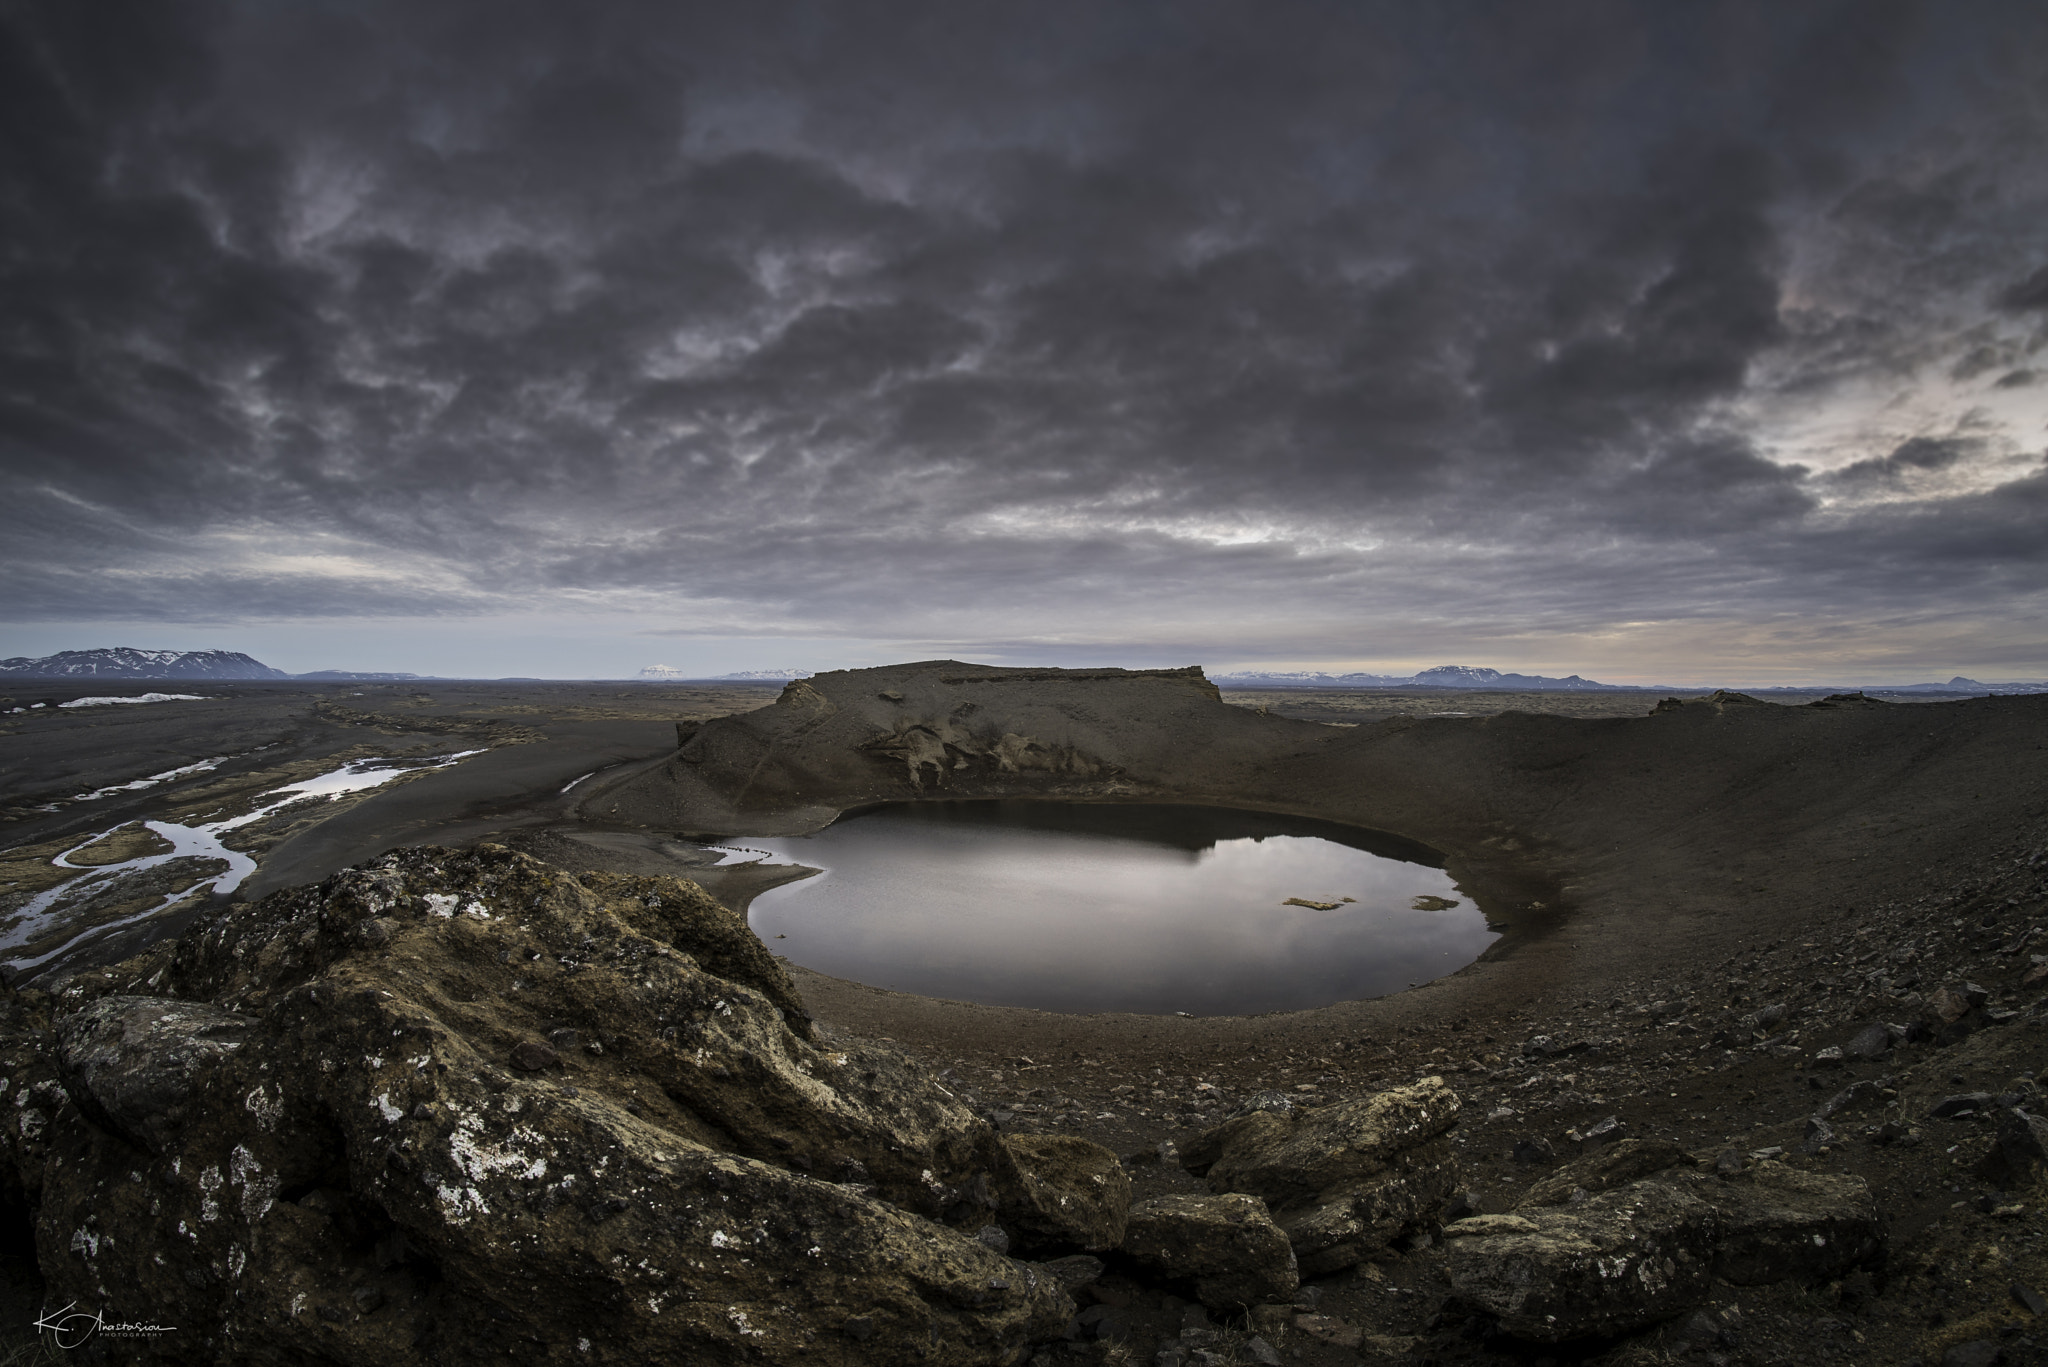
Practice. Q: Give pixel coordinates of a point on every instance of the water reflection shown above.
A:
(1087, 907)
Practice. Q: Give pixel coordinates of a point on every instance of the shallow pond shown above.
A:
(1097, 907)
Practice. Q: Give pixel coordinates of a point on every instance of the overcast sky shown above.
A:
(1653, 341)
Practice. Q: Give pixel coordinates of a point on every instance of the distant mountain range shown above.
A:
(668, 671)
(1468, 676)
(746, 675)
(1443, 676)
(1959, 684)
(123, 662)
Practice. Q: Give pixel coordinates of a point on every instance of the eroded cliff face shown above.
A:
(460, 1106)
(946, 729)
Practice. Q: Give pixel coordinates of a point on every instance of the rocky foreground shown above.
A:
(460, 1106)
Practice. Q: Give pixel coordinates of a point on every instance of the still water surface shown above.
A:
(1093, 907)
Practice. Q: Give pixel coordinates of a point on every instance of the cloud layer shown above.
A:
(1622, 336)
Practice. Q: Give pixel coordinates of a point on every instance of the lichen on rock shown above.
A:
(1615, 1262)
(1227, 1245)
(459, 1106)
(1064, 1190)
(1344, 1180)
(1635, 1234)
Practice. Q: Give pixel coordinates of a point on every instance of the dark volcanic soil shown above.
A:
(1662, 879)
(1698, 904)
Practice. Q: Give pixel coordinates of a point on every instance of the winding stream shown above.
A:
(202, 841)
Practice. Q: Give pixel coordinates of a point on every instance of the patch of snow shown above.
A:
(166, 776)
(141, 697)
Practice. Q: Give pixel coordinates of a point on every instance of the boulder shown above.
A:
(1607, 1131)
(1334, 1144)
(1634, 1252)
(1353, 1221)
(1227, 1245)
(1063, 1190)
(1781, 1224)
(133, 1063)
(1342, 1180)
(1629, 1253)
(1615, 1262)
(317, 1144)
(1871, 1042)
(1765, 1019)
(1252, 1115)
(1614, 1166)
(1948, 1005)
(2020, 1149)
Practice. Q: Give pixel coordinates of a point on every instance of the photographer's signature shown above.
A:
(71, 1326)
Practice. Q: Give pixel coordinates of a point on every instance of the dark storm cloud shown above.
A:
(1919, 455)
(2030, 293)
(798, 316)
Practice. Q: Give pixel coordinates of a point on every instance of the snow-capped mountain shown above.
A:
(770, 675)
(662, 672)
(122, 662)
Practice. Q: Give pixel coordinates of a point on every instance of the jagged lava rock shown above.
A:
(132, 1063)
(1781, 1224)
(1614, 1262)
(1227, 1245)
(1618, 1258)
(2020, 1149)
(1064, 1190)
(1614, 1166)
(364, 1177)
(1342, 1180)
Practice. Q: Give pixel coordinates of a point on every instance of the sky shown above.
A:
(1649, 341)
